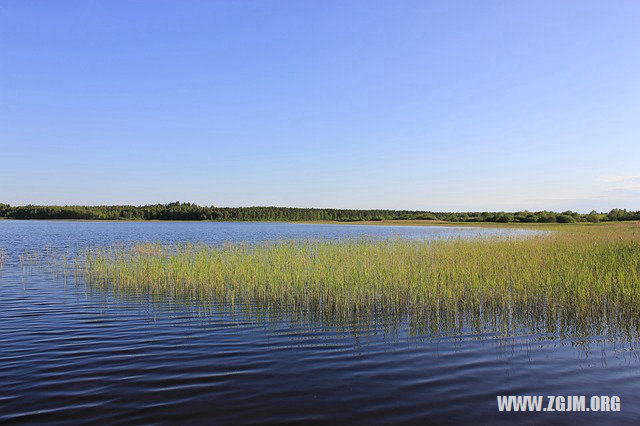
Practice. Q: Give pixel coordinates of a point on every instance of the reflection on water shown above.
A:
(73, 353)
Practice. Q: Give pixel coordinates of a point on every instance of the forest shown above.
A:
(190, 211)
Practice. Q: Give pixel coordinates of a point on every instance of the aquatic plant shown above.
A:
(566, 282)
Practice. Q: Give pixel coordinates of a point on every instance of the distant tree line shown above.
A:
(189, 211)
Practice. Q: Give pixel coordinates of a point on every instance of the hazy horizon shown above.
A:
(412, 105)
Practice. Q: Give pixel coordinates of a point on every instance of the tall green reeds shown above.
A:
(564, 282)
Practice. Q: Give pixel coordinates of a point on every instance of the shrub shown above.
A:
(565, 218)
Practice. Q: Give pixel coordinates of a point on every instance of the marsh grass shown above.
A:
(580, 281)
(54, 263)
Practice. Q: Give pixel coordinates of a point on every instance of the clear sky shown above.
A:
(436, 105)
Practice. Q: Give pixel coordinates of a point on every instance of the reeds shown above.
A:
(574, 281)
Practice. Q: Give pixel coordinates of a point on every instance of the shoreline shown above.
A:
(389, 222)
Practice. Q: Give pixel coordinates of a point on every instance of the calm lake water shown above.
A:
(71, 354)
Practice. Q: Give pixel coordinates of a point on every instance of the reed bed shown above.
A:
(582, 280)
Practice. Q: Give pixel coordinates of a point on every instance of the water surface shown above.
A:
(71, 354)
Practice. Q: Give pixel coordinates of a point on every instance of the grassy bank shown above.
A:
(514, 225)
(576, 280)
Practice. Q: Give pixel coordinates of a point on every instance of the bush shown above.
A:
(504, 218)
(565, 218)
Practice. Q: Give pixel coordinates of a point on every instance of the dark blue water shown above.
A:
(70, 354)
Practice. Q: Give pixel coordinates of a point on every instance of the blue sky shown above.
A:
(442, 105)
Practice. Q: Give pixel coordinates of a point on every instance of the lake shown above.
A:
(72, 354)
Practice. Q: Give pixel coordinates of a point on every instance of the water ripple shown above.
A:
(69, 355)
